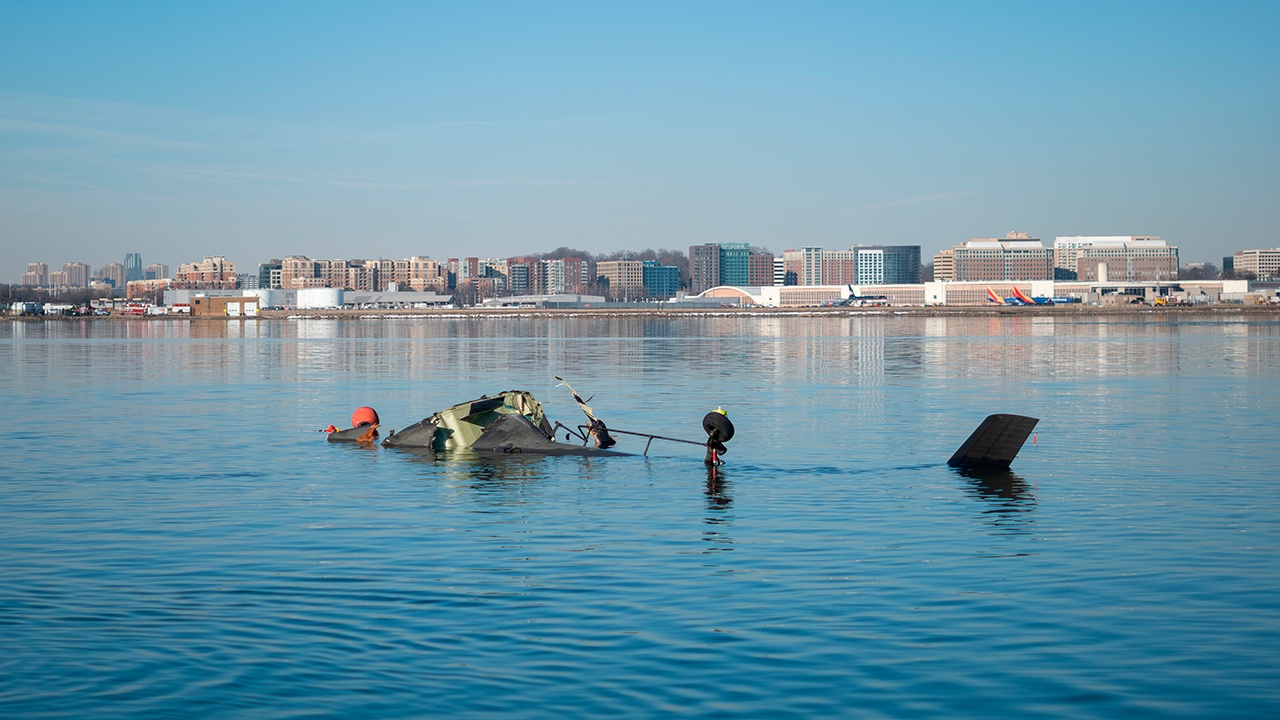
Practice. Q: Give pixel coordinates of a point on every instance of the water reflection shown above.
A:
(1009, 502)
(719, 510)
(717, 492)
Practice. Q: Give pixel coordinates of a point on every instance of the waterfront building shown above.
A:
(332, 273)
(779, 271)
(660, 281)
(734, 263)
(1262, 263)
(382, 272)
(553, 272)
(760, 269)
(132, 266)
(568, 275)
(520, 275)
(269, 274)
(146, 289)
(831, 267)
(704, 267)
(860, 264)
(422, 274)
(715, 264)
(979, 293)
(577, 275)
(211, 272)
(1015, 257)
(887, 264)
(297, 271)
(37, 274)
(783, 296)
(944, 265)
(1115, 257)
(361, 278)
(804, 265)
(623, 276)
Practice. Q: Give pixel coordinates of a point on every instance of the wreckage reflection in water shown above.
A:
(1011, 501)
(214, 556)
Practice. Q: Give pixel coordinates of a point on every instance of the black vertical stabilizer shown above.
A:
(995, 443)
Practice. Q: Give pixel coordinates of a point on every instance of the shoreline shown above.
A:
(935, 311)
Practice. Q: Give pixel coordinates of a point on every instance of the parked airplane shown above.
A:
(855, 300)
(1019, 298)
(1030, 301)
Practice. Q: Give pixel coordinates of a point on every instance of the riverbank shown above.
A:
(934, 311)
(1171, 311)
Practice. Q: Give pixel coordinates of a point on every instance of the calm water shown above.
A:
(177, 540)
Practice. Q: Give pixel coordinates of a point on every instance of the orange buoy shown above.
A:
(364, 416)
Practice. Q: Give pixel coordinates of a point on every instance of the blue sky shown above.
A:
(389, 129)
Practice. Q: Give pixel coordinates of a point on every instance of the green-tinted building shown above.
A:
(660, 281)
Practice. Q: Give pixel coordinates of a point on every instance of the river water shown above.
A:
(177, 540)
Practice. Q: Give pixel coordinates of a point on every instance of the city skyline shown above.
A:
(510, 129)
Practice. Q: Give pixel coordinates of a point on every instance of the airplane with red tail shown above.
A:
(1019, 298)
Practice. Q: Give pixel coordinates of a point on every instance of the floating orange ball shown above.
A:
(364, 416)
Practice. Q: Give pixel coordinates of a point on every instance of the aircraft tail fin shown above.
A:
(993, 297)
(995, 443)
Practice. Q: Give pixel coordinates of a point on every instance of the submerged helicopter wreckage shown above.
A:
(514, 422)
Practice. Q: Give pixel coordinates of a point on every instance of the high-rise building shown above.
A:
(623, 276)
(1016, 257)
(760, 269)
(77, 274)
(297, 272)
(660, 281)
(421, 274)
(704, 267)
(553, 272)
(132, 266)
(860, 265)
(1262, 263)
(835, 267)
(213, 272)
(155, 271)
(734, 264)
(716, 264)
(37, 274)
(518, 279)
(887, 264)
(577, 278)
(1123, 258)
(113, 274)
(795, 263)
(944, 265)
(265, 274)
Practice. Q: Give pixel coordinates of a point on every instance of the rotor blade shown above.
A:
(578, 398)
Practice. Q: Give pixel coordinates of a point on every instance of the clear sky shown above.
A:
(388, 129)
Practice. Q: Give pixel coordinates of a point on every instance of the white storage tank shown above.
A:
(319, 298)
